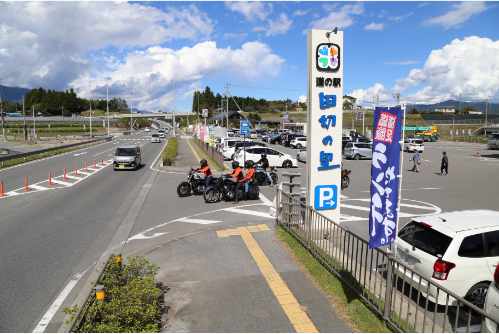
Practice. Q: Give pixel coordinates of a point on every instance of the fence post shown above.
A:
(389, 288)
(291, 184)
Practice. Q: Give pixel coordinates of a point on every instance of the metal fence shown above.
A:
(405, 299)
(210, 150)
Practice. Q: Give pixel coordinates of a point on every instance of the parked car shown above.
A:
(276, 158)
(127, 157)
(492, 305)
(414, 144)
(301, 156)
(228, 147)
(276, 138)
(358, 151)
(493, 142)
(162, 133)
(155, 138)
(288, 137)
(248, 143)
(457, 250)
(298, 142)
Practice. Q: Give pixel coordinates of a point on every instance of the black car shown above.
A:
(289, 137)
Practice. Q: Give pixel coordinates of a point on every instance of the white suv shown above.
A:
(358, 151)
(458, 250)
(298, 142)
(414, 144)
(492, 306)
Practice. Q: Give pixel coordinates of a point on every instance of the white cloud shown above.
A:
(302, 99)
(341, 18)
(153, 77)
(50, 43)
(459, 14)
(374, 26)
(375, 93)
(253, 10)
(400, 18)
(279, 26)
(235, 35)
(402, 62)
(300, 12)
(466, 68)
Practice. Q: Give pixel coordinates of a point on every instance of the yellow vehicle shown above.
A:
(430, 133)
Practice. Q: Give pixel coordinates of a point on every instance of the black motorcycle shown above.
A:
(345, 178)
(195, 184)
(223, 188)
(261, 178)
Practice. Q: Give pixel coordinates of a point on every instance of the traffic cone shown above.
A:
(2, 189)
(26, 184)
(50, 178)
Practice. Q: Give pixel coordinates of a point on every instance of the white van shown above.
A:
(414, 144)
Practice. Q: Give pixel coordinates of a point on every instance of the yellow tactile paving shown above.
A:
(297, 317)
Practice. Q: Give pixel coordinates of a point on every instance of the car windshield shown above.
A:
(155, 135)
(418, 141)
(425, 238)
(126, 151)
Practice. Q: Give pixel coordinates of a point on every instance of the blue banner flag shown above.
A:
(385, 171)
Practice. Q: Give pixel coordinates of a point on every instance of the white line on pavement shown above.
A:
(73, 177)
(38, 187)
(249, 212)
(56, 181)
(265, 200)
(47, 317)
(197, 221)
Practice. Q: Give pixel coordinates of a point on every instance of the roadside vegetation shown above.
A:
(345, 301)
(133, 300)
(203, 154)
(170, 152)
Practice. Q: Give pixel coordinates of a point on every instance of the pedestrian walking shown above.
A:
(416, 158)
(444, 166)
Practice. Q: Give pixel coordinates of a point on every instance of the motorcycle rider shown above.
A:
(264, 163)
(236, 175)
(248, 178)
(205, 170)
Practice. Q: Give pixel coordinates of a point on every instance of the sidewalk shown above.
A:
(227, 272)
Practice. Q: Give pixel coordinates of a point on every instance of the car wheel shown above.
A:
(287, 164)
(356, 157)
(476, 295)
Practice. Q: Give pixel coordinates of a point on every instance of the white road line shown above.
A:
(12, 193)
(142, 236)
(37, 187)
(93, 169)
(84, 173)
(348, 218)
(265, 200)
(78, 154)
(105, 151)
(197, 221)
(73, 177)
(249, 212)
(67, 184)
(47, 317)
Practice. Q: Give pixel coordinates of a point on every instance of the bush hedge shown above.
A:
(133, 302)
(170, 152)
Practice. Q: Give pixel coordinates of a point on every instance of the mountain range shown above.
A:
(492, 108)
(13, 94)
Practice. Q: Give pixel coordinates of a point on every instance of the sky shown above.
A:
(156, 54)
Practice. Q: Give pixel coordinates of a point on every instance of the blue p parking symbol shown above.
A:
(325, 197)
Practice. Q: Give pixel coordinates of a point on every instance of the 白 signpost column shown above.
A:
(325, 115)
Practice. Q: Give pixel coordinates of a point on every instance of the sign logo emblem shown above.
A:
(327, 101)
(328, 57)
(326, 197)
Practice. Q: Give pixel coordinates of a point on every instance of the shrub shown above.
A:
(170, 152)
(132, 302)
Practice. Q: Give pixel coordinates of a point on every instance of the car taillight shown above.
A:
(496, 276)
(441, 269)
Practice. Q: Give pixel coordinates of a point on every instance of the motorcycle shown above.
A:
(345, 178)
(195, 184)
(261, 178)
(223, 188)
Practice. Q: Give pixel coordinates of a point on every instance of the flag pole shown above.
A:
(402, 141)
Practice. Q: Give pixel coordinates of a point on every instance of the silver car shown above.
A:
(358, 151)
(127, 157)
(301, 156)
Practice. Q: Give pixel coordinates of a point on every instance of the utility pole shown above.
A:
(3, 118)
(131, 115)
(107, 108)
(24, 122)
(34, 123)
(90, 118)
(486, 107)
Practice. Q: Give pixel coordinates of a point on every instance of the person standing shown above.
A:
(444, 166)
(416, 158)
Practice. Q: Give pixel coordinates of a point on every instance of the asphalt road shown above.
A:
(48, 236)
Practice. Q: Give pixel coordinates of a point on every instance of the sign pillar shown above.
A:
(324, 126)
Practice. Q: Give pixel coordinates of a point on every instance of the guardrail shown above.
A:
(407, 300)
(3, 159)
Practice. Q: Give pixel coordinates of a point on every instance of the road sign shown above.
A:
(244, 128)
(204, 113)
(324, 126)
